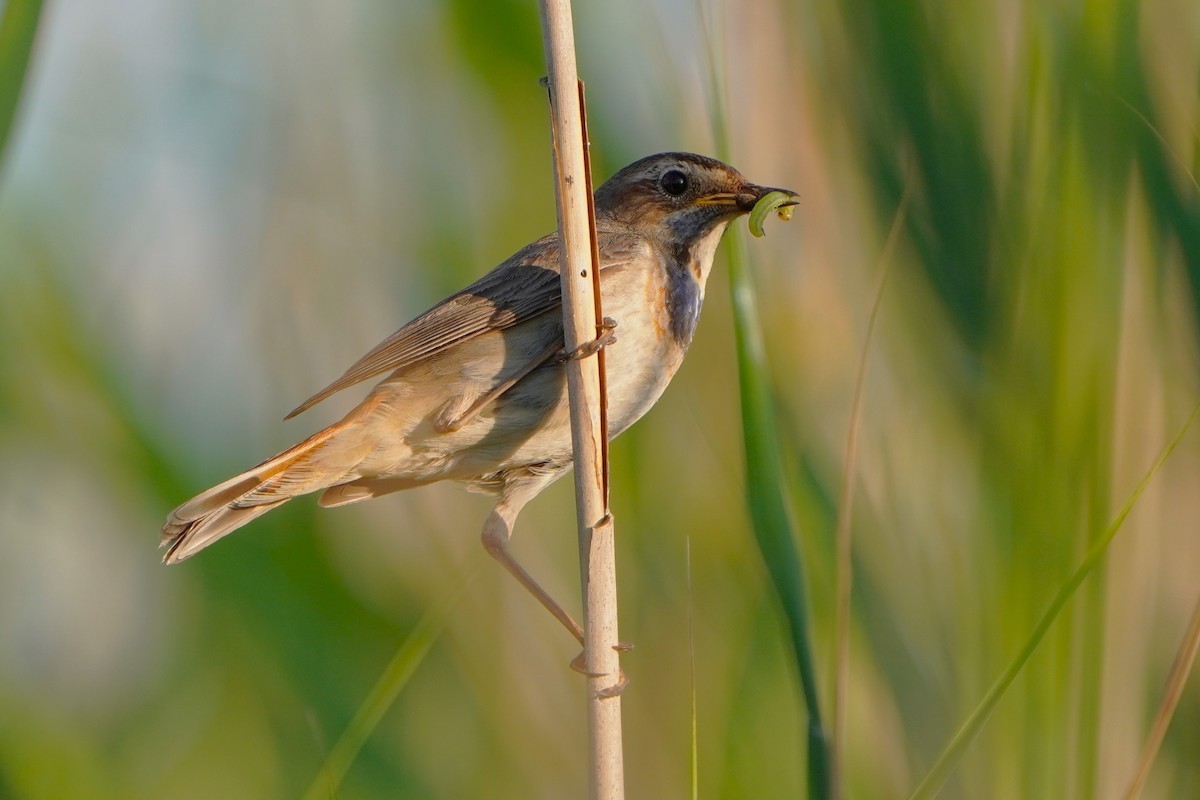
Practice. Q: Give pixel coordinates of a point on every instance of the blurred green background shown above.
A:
(208, 210)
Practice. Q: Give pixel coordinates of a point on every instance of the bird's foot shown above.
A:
(606, 337)
(615, 690)
(580, 665)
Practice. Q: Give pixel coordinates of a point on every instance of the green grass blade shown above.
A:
(765, 476)
(395, 677)
(17, 31)
(768, 510)
(949, 758)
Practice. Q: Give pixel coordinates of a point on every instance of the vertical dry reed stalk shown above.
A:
(580, 289)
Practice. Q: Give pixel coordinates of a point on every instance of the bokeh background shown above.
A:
(208, 209)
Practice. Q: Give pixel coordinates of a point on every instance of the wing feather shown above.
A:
(518, 290)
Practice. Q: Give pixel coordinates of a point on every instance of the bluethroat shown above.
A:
(475, 388)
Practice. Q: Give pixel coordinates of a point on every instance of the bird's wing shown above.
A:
(518, 290)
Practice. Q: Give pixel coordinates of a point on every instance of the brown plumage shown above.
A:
(476, 390)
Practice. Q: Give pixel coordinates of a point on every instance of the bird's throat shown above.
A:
(687, 272)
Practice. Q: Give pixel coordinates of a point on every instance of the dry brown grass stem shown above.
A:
(844, 573)
(581, 312)
(1180, 669)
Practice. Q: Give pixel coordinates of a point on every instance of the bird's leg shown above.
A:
(606, 337)
(497, 532)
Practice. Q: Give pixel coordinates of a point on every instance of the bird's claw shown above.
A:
(577, 664)
(616, 689)
(606, 337)
(580, 665)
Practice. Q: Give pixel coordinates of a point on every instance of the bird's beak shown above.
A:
(752, 193)
(745, 198)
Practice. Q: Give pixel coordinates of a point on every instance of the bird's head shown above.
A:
(678, 196)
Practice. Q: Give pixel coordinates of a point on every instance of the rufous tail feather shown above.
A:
(228, 506)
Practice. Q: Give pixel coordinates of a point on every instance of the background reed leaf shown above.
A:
(18, 29)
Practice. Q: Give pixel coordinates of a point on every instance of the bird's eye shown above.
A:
(673, 182)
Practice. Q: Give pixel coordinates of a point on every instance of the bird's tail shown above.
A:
(323, 459)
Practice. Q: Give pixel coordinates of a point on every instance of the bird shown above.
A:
(475, 387)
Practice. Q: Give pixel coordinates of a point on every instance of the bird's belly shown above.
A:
(530, 422)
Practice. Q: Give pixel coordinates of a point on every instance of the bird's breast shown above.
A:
(656, 306)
